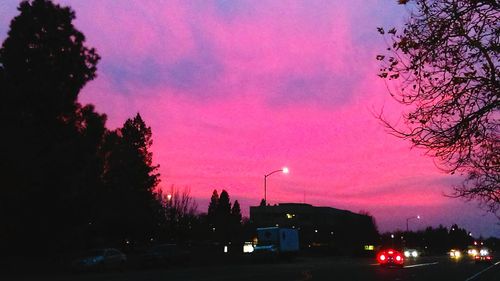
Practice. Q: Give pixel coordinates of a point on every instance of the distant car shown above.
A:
(165, 255)
(100, 259)
(455, 254)
(484, 255)
(472, 252)
(390, 257)
(411, 253)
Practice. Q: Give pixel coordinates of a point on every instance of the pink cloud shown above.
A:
(235, 89)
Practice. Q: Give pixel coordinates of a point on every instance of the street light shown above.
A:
(284, 170)
(417, 217)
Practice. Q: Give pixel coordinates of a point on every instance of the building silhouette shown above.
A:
(323, 228)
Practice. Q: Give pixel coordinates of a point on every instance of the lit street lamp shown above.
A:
(417, 217)
(284, 170)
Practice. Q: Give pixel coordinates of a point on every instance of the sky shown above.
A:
(235, 89)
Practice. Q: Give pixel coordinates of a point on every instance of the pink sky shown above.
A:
(236, 89)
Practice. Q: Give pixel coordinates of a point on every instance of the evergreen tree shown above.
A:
(236, 226)
(223, 217)
(212, 208)
(45, 62)
(88, 187)
(130, 180)
(224, 205)
(236, 213)
(43, 66)
(459, 237)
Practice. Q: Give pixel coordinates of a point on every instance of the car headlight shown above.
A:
(455, 254)
(407, 254)
(483, 252)
(414, 254)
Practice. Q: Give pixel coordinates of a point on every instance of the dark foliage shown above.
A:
(236, 213)
(180, 220)
(444, 65)
(262, 203)
(45, 62)
(431, 240)
(223, 217)
(224, 222)
(212, 208)
(49, 148)
(131, 209)
(67, 182)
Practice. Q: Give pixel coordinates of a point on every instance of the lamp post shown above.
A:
(408, 219)
(284, 170)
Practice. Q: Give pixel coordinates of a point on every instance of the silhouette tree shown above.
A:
(224, 221)
(459, 237)
(43, 66)
(179, 213)
(236, 230)
(45, 62)
(212, 209)
(262, 203)
(437, 239)
(224, 205)
(88, 188)
(130, 179)
(223, 217)
(367, 228)
(444, 66)
(236, 213)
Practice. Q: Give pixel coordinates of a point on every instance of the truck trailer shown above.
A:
(276, 241)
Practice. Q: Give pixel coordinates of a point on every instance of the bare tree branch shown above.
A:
(444, 66)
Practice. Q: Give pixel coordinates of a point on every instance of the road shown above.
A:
(302, 269)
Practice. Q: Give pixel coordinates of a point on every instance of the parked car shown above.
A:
(98, 259)
(165, 255)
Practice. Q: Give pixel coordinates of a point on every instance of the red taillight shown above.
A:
(390, 252)
(398, 258)
(381, 257)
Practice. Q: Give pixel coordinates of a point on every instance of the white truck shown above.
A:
(276, 241)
